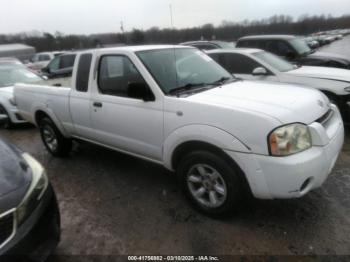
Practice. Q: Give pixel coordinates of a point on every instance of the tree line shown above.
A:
(228, 31)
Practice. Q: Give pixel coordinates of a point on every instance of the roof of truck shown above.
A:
(142, 47)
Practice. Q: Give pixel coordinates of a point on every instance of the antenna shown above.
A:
(171, 15)
(122, 26)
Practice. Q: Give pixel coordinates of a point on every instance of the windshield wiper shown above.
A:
(224, 80)
(190, 86)
(186, 87)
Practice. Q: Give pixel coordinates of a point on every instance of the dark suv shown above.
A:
(293, 49)
(60, 66)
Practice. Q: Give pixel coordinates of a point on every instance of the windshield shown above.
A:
(300, 46)
(275, 61)
(178, 67)
(12, 75)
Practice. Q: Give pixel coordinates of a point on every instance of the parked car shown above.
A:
(209, 45)
(60, 66)
(323, 40)
(29, 214)
(175, 106)
(294, 49)
(312, 43)
(41, 60)
(11, 73)
(256, 64)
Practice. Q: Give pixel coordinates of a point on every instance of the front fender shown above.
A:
(200, 133)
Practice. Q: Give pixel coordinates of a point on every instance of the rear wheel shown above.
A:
(52, 138)
(8, 123)
(211, 184)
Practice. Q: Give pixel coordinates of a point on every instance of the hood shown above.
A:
(15, 176)
(330, 56)
(322, 72)
(286, 103)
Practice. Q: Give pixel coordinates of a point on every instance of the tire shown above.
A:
(197, 172)
(53, 140)
(8, 123)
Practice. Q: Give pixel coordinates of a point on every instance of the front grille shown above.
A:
(6, 227)
(326, 117)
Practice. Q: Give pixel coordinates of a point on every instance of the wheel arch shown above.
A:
(191, 146)
(199, 135)
(40, 113)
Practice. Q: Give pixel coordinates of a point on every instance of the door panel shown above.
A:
(129, 124)
(80, 108)
(80, 103)
(119, 120)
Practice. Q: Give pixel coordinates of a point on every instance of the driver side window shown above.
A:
(238, 64)
(116, 73)
(55, 64)
(278, 47)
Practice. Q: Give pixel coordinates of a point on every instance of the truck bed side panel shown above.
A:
(54, 101)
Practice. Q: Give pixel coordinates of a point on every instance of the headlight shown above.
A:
(36, 189)
(289, 139)
(12, 101)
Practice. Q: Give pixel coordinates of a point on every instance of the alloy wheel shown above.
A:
(206, 185)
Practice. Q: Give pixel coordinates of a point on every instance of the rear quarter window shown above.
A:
(83, 73)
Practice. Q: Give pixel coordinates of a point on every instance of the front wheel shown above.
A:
(211, 184)
(52, 138)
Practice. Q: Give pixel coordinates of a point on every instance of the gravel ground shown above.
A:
(114, 204)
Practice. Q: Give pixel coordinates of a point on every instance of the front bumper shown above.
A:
(37, 238)
(293, 176)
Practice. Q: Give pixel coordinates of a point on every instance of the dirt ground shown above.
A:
(115, 204)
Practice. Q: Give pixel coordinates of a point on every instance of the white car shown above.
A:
(256, 64)
(177, 107)
(41, 60)
(11, 73)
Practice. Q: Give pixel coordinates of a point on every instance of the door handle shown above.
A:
(97, 104)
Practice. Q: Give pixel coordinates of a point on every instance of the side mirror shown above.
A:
(259, 71)
(140, 90)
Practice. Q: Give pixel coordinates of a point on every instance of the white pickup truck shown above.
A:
(175, 106)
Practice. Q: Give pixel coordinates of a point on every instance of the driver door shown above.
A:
(121, 121)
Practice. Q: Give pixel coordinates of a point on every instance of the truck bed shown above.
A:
(32, 97)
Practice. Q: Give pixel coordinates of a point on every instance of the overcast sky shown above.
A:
(98, 16)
